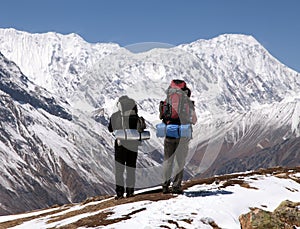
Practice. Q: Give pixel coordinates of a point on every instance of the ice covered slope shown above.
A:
(50, 153)
(263, 137)
(39, 152)
(52, 60)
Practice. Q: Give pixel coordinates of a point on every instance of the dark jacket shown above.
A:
(129, 122)
(115, 123)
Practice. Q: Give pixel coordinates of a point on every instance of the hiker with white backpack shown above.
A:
(128, 129)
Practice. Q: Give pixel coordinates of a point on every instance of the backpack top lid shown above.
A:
(180, 84)
(127, 104)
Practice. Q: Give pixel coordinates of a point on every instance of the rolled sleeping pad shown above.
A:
(145, 135)
(131, 134)
(186, 131)
(161, 129)
(174, 131)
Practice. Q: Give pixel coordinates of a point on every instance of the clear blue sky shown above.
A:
(274, 23)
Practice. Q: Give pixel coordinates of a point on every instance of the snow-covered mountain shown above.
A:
(39, 154)
(52, 60)
(218, 202)
(247, 104)
(49, 155)
(234, 71)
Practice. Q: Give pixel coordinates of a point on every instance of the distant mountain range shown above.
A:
(57, 92)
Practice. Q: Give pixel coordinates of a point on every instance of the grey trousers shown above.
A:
(175, 153)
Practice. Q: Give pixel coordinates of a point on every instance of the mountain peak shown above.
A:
(52, 60)
(236, 37)
(50, 35)
(226, 40)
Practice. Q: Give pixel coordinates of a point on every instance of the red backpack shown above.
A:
(177, 108)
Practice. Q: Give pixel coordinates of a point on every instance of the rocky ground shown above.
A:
(94, 212)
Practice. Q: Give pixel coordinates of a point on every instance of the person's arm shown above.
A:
(111, 120)
(194, 118)
(110, 129)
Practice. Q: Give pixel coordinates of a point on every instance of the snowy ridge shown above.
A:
(245, 71)
(232, 70)
(204, 205)
(52, 60)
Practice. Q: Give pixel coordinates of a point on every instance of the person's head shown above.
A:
(126, 104)
(180, 84)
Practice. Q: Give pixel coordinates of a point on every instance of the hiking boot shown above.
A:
(129, 195)
(165, 190)
(177, 191)
(119, 197)
(129, 192)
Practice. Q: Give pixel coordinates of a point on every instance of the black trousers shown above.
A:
(125, 160)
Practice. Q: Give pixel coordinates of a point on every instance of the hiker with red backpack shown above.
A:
(178, 114)
(128, 128)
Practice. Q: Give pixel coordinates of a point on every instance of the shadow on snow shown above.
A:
(206, 193)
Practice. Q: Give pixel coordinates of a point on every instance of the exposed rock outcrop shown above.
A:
(285, 216)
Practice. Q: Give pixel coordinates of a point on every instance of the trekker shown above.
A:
(177, 113)
(125, 150)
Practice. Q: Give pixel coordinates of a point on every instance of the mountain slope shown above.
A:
(267, 136)
(48, 156)
(50, 152)
(21, 89)
(217, 202)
